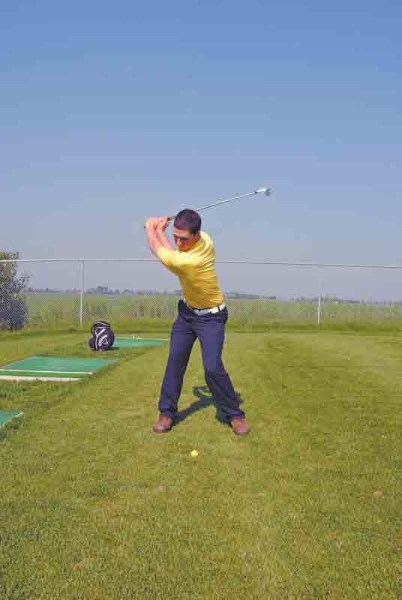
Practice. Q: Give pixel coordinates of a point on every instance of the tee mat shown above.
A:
(46, 368)
(8, 416)
(137, 342)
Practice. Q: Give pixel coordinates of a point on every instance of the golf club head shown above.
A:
(266, 191)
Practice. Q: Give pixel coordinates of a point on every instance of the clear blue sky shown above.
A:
(112, 111)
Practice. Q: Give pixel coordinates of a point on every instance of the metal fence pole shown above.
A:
(319, 309)
(319, 295)
(82, 292)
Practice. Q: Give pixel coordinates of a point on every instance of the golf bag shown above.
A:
(102, 336)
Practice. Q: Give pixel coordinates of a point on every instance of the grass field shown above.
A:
(95, 506)
(63, 310)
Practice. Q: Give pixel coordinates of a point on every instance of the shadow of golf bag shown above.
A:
(102, 336)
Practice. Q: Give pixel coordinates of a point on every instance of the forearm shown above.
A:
(155, 230)
(153, 241)
(163, 240)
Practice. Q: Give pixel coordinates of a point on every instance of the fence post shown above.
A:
(82, 292)
(319, 294)
(319, 309)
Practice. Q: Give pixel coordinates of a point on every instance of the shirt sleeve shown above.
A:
(174, 260)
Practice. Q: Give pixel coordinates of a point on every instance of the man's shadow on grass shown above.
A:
(204, 400)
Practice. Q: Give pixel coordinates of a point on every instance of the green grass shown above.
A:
(95, 506)
(156, 312)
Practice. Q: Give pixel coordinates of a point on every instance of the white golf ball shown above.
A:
(194, 453)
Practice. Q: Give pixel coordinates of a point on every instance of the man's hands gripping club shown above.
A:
(157, 223)
(155, 230)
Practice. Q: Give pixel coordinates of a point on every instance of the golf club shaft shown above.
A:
(265, 191)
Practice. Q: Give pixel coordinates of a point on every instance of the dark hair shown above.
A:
(188, 220)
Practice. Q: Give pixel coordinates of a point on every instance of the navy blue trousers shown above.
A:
(210, 331)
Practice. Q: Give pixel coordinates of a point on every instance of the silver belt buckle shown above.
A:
(217, 309)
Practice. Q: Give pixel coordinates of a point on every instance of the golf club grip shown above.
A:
(169, 219)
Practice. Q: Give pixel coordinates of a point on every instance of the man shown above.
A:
(202, 315)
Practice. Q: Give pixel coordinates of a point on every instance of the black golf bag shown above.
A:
(102, 336)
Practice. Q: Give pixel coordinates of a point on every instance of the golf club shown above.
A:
(265, 191)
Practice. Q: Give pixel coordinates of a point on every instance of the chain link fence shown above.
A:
(60, 293)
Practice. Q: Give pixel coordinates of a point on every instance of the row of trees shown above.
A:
(13, 307)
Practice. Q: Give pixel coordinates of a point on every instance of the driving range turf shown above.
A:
(308, 505)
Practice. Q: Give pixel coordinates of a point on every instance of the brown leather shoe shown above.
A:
(163, 424)
(239, 426)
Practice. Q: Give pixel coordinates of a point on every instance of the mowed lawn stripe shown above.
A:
(342, 437)
(96, 506)
(18, 346)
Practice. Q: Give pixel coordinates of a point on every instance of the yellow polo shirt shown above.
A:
(196, 272)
